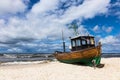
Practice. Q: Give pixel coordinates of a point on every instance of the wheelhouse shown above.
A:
(82, 42)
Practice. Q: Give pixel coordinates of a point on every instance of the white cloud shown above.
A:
(110, 44)
(117, 3)
(2, 22)
(102, 29)
(88, 9)
(109, 40)
(39, 24)
(97, 29)
(83, 31)
(118, 14)
(44, 6)
(28, 44)
(14, 50)
(11, 7)
(107, 29)
(114, 9)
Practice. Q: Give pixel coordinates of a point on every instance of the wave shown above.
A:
(9, 56)
(24, 63)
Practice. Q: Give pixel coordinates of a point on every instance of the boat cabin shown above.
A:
(82, 42)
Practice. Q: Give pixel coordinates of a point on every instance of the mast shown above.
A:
(63, 41)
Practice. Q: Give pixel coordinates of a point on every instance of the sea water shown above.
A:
(12, 57)
(16, 57)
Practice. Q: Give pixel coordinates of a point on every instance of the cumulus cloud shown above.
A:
(109, 40)
(44, 6)
(43, 21)
(97, 29)
(110, 44)
(107, 29)
(11, 7)
(114, 9)
(88, 9)
(13, 50)
(102, 29)
(82, 30)
(2, 22)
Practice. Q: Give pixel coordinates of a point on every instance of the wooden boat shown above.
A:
(83, 50)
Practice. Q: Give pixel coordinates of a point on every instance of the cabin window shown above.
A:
(83, 42)
(73, 43)
(78, 42)
(88, 41)
(92, 41)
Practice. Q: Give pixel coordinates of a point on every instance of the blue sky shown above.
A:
(36, 25)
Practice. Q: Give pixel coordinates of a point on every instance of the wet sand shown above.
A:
(60, 71)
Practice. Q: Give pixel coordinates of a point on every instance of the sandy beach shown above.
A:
(60, 71)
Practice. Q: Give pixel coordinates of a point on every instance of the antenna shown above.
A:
(62, 36)
(63, 41)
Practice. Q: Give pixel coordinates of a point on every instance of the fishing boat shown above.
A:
(83, 51)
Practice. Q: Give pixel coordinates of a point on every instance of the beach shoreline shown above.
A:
(55, 70)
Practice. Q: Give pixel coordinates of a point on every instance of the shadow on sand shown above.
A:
(97, 66)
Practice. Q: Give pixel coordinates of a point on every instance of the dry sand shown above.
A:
(61, 71)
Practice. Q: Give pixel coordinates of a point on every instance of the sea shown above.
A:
(18, 57)
(22, 57)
